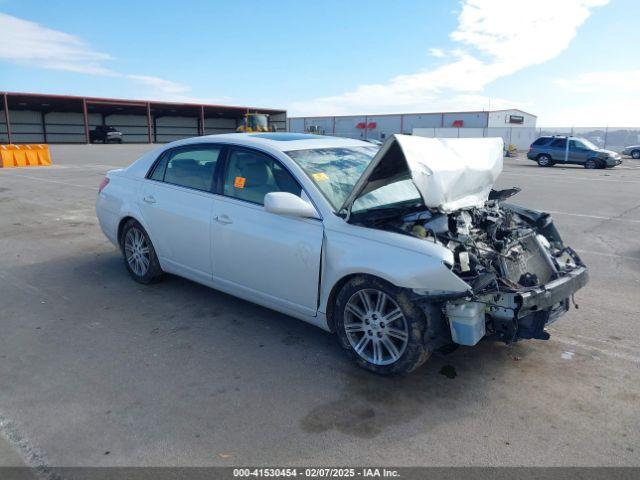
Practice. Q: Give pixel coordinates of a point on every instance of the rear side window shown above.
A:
(159, 168)
(559, 143)
(250, 175)
(541, 141)
(188, 167)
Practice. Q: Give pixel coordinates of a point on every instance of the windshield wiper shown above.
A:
(386, 211)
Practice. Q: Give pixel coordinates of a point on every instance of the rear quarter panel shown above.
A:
(117, 201)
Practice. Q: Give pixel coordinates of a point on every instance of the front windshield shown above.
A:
(395, 194)
(588, 144)
(334, 170)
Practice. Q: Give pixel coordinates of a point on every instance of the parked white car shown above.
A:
(401, 250)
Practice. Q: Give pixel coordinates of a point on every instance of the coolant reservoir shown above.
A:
(466, 320)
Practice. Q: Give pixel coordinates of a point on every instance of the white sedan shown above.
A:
(401, 250)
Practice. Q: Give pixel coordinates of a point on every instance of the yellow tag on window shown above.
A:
(239, 182)
(320, 177)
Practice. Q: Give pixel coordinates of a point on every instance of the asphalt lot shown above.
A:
(96, 370)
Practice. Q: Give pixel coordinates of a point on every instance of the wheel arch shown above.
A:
(335, 290)
(123, 222)
(331, 300)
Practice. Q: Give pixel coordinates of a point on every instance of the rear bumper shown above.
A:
(554, 292)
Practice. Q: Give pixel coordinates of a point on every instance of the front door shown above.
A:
(578, 152)
(258, 254)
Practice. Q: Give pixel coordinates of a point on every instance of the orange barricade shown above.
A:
(35, 155)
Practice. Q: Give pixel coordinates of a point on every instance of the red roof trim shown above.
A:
(415, 113)
(121, 101)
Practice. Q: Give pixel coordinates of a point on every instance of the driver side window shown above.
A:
(250, 175)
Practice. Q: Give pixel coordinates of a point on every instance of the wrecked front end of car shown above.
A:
(520, 275)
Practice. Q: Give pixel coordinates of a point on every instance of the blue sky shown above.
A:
(571, 62)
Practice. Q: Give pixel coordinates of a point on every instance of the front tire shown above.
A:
(545, 161)
(139, 255)
(590, 164)
(379, 327)
(635, 154)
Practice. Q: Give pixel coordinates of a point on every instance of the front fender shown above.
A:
(346, 255)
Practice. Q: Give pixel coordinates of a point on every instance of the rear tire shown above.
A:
(379, 326)
(139, 255)
(545, 161)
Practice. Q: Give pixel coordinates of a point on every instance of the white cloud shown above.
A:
(35, 45)
(496, 39)
(437, 52)
(613, 82)
(161, 84)
(32, 44)
(597, 113)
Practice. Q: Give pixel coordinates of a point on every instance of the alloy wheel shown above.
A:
(543, 161)
(376, 327)
(136, 251)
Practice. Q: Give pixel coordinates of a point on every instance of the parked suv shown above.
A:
(548, 151)
(105, 134)
(633, 151)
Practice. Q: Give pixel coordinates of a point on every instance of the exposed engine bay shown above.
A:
(521, 275)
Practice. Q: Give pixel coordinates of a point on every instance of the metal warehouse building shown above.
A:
(42, 118)
(514, 126)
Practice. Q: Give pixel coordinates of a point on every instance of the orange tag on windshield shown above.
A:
(239, 182)
(320, 177)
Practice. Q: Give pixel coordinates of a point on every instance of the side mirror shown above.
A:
(285, 203)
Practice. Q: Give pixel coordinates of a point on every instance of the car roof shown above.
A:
(561, 136)
(282, 141)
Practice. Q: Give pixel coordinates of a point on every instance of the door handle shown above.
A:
(149, 199)
(224, 219)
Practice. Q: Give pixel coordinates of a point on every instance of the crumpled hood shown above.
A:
(610, 153)
(449, 173)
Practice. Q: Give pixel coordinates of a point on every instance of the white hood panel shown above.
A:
(452, 173)
(449, 173)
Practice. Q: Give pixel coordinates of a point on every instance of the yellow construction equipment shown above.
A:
(511, 150)
(255, 122)
(34, 155)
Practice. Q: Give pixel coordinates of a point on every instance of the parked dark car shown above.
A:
(548, 151)
(633, 151)
(105, 134)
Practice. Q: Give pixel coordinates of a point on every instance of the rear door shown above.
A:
(258, 254)
(176, 201)
(558, 149)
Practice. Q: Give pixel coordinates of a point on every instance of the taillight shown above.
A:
(103, 183)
